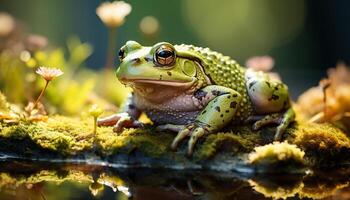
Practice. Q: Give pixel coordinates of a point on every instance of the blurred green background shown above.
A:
(304, 37)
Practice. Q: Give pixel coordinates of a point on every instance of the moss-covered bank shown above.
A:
(324, 145)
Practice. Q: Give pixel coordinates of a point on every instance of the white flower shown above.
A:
(112, 14)
(49, 73)
(7, 24)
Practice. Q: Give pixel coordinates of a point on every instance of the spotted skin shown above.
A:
(197, 92)
(266, 95)
(214, 115)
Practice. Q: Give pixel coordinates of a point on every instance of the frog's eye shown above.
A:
(121, 54)
(164, 56)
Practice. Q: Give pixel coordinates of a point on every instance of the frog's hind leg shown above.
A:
(272, 98)
(282, 119)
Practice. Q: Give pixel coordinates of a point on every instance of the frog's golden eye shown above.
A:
(164, 56)
(121, 54)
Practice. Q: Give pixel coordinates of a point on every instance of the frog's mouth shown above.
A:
(158, 82)
(157, 91)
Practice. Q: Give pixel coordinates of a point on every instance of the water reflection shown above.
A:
(25, 180)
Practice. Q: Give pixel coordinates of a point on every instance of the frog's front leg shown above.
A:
(217, 113)
(127, 118)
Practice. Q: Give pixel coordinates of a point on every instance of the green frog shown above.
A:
(195, 92)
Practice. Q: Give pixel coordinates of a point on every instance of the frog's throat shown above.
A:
(159, 91)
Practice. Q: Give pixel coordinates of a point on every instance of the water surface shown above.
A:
(29, 180)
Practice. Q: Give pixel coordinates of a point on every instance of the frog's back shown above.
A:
(224, 71)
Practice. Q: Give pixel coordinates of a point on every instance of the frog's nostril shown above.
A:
(136, 60)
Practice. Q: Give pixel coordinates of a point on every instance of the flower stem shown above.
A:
(94, 142)
(111, 51)
(41, 94)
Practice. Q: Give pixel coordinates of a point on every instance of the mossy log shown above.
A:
(67, 139)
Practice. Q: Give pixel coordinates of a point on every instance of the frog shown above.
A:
(194, 92)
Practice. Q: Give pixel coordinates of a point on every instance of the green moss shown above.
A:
(237, 140)
(69, 136)
(146, 141)
(57, 134)
(227, 142)
(72, 136)
(323, 143)
(321, 137)
(19, 131)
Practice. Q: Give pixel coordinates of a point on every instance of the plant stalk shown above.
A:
(41, 94)
(111, 50)
(94, 144)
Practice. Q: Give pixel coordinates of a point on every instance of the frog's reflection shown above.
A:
(20, 180)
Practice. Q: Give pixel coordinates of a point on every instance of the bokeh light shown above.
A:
(7, 24)
(244, 28)
(149, 25)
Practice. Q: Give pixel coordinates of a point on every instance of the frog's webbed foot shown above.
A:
(193, 131)
(282, 119)
(119, 122)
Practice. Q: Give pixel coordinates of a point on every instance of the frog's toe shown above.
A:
(119, 127)
(108, 121)
(170, 127)
(126, 122)
(266, 120)
(180, 136)
(196, 134)
(282, 119)
(286, 119)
